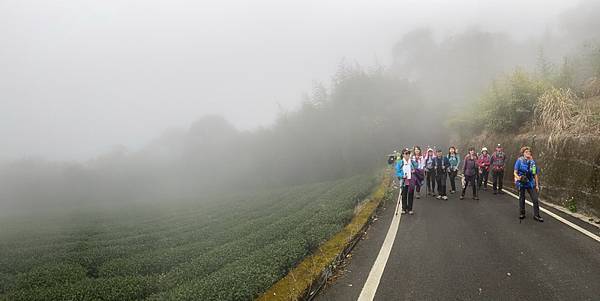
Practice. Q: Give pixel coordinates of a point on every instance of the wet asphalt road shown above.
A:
(475, 250)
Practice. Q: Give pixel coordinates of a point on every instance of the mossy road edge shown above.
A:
(304, 281)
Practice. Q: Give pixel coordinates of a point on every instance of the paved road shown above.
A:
(474, 250)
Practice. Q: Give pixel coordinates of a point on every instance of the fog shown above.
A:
(81, 77)
(137, 100)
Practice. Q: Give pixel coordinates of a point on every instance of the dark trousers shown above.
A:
(470, 180)
(407, 197)
(483, 178)
(497, 179)
(534, 199)
(440, 178)
(430, 179)
(453, 174)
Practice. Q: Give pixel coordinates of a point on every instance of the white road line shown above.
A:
(558, 217)
(370, 287)
(570, 224)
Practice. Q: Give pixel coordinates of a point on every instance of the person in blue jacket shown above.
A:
(454, 159)
(405, 171)
(527, 180)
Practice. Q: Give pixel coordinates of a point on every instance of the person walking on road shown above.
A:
(527, 180)
(484, 163)
(440, 167)
(498, 161)
(420, 172)
(470, 171)
(429, 172)
(405, 169)
(454, 160)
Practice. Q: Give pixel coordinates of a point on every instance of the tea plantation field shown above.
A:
(227, 248)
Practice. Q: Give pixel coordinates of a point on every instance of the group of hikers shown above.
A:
(413, 169)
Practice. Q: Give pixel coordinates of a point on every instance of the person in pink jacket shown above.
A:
(420, 172)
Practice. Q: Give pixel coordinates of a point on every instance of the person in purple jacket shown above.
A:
(470, 170)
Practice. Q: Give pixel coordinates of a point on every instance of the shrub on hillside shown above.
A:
(509, 103)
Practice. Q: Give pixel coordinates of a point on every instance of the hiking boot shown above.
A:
(538, 218)
(445, 198)
(462, 197)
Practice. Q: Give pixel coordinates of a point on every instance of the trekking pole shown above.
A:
(398, 202)
(427, 181)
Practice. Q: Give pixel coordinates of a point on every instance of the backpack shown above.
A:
(499, 158)
(443, 165)
(474, 160)
(429, 163)
(413, 164)
(453, 158)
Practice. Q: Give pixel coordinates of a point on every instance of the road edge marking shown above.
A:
(370, 287)
(554, 215)
(559, 218)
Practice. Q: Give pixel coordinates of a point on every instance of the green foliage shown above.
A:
(6, 282)
(114, 289)
(571, 204)
(505, 107)
(544, 68)
(229, 248)
(509, 104)
(50, 275)
(566, 76)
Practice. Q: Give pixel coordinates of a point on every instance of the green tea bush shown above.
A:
(113, 289)
(50, 275)
(6, 282)
(230, 248)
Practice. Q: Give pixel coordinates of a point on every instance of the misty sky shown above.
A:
(78, 77)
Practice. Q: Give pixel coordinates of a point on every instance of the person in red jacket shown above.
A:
(498, 161)
(484, 161)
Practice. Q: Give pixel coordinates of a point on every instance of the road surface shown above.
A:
(471, 250)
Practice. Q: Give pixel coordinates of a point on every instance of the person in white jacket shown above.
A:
(405, 169)
(429, 172)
